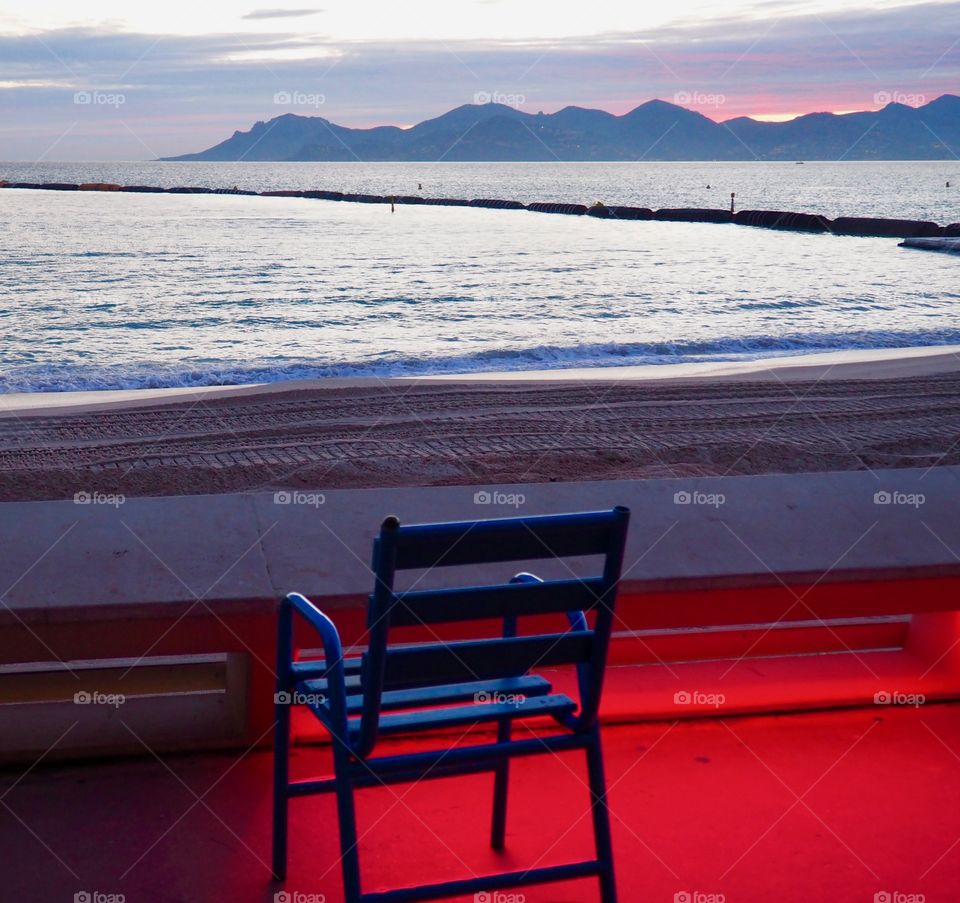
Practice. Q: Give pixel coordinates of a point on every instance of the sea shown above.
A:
(109, 291)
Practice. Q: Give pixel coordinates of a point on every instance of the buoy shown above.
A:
(324, 195)
(551, 207)
(783, 219)
(644, 213)
(692, 215)
(497, 204)
(366, 198)
(881, 227)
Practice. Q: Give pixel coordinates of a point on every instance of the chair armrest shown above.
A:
(577, 619)
(510, 621)
(524, 577)
(332, 652)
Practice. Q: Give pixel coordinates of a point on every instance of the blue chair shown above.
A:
(392, 690)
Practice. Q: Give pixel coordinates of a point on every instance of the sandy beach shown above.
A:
(838, 411)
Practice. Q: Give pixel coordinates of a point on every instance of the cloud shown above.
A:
(281, 13)
(186, 92)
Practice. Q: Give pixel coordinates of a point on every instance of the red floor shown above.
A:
(842, 805)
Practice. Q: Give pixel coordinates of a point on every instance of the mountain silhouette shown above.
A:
(655, 130)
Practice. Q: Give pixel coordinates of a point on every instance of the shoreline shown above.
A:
(835, 412)
(858, 364)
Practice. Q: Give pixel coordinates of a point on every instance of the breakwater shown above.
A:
(768, 219)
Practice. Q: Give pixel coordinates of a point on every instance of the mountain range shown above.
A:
(655, 130)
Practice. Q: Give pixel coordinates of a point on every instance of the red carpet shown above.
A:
(828, 806)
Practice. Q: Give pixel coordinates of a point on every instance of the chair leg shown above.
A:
(346, 816)
(501, 783)
(281, 779)
(601, 818)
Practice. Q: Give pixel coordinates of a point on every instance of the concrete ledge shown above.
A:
(143, 558)
(154, 557)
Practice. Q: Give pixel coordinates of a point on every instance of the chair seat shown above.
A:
(417, 697)
(557, 705)
(309, 669)
(493, 700)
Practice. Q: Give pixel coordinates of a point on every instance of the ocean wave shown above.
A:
(155, 375)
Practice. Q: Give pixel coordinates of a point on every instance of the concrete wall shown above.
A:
(806, 562)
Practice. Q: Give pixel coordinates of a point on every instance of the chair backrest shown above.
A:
(428, 546)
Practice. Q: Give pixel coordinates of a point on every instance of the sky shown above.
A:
(112, 80)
